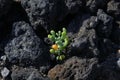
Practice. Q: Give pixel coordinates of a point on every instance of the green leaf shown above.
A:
(57, 57)
(62, 57)
(52, 32)
(64, 30)
(49, 36)
(66, 42)
(52, 51)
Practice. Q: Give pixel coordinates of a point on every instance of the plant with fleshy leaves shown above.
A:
(60, 40)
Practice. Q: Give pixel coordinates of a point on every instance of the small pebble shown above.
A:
(119, 51)
(96, 19)
(5, 72)
(118, 62)
(3, 58)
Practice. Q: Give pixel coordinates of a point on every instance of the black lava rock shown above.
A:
(113, 8)
(94, 5)
(93, 27)
(36, 10)
(25, 47)
(47, 13)
(85, 41)
(105, 24)
(27, 74)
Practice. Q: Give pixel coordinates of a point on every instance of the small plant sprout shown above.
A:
(60, 40)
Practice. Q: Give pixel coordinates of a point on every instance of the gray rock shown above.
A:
(103, 30)
(113, 8)
(90, 34)
(74, 5)
(36, 10)
(118, 62)
(94, 5)
(5, 72)
(4, 58)
(25, 47)
(43, 13)
(27, 74)
(85, 41)
(105, 24)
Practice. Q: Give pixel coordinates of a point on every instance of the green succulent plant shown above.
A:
(61, 41)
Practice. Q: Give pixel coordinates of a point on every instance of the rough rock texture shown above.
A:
(74, 5)
(25, 47)
(47, 13)
(94, 5)
(73, 69)
(90, 37)
(105, 24)
(113, 8)
(104, 29)
(27, 74)
(37, 10)
(85, 42)
(93, 27)
(5, 6)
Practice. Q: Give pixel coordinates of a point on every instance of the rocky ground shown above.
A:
(93, 27)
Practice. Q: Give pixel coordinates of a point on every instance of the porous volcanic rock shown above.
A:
(47, 13)
(27, 74)
(25, 47)
(73, 69)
